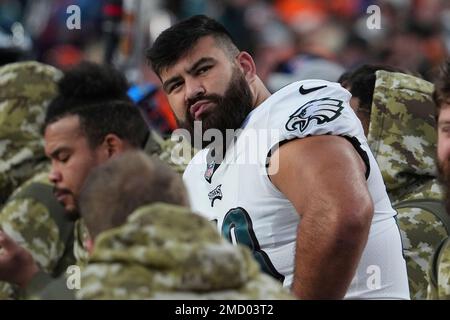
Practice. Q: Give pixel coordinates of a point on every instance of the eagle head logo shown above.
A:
(322, 110)
(215, 194)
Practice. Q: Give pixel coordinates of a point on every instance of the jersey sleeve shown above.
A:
(315, 107)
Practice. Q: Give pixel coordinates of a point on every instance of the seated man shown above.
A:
(397, 113)
(288, 174)
(28, 210)
(439, 287)
(148, 245)
(90, 120)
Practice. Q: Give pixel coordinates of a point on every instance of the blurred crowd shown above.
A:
(386, 53)
(290, 39)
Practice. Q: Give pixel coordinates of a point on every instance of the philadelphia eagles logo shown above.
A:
(215, 194)
(322, 110)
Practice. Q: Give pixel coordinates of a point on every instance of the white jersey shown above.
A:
(248, 209)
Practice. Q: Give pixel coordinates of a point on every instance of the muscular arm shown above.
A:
(324, 178)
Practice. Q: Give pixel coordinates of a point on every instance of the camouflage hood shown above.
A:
(401, 135)
(164, 251)
(26, 88)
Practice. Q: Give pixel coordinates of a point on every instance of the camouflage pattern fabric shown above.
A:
(80, 243)
(402, 138)
(25, 90)
(38, 227)
(176, 154)
(155, 146)
(167, 252)
(440, 274)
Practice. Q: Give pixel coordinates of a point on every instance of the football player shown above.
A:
(297, 182)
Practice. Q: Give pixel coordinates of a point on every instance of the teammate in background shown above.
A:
(135, 208)
(319, 218)
(397, 113)
(439, 287)
(90, 121)
(28, 210)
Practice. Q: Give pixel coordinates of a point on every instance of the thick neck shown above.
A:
(260, 93)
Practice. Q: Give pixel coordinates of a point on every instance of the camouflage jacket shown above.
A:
(166, 252)
(26, 88)
(35, 220)
(42, 229)
(31, 215)
(402, 138)
(439, 287)
(175, 153)
(165, 150)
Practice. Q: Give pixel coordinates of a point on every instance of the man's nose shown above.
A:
(54, 176)
(194, 89)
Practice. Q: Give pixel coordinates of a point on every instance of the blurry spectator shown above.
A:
(112, 13)
(15, 44)
(155, 108)
(304, 67)
(15, 40)
(312, 61)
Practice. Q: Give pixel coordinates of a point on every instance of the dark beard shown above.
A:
(72, 216)
(444, 179)
(229, 112)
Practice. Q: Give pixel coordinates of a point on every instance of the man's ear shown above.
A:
(113, 145)
(247, 66)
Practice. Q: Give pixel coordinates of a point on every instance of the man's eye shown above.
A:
(445, 129)
(203, 69)
(175, 86)
(63, 158)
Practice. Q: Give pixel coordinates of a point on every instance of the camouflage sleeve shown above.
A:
(79, 246)
(164, 252)
(8, 291)
(29, 223)
(439, 273)
(421, 234)
(176, 153)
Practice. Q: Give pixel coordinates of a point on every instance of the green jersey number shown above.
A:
(238, 222)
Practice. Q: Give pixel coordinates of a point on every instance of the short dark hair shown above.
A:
(90, 82)
(176, 41)
(441, 94)
(86, 83)
(118, 187)
(118, 117)
(97, 94)
(361, 82)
